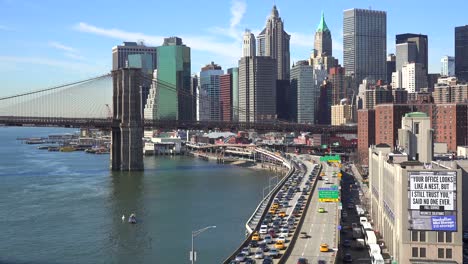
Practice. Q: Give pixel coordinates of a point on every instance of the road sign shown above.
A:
(329, 194)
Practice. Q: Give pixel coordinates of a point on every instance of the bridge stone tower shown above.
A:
(127, 122)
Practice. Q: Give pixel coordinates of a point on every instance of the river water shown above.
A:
(58, 207)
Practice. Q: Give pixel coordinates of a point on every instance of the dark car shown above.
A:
(267, 260)
(346, 243)
(250, 261)
(302, 261)
(264, 247)
(253, 244)
(347, 258)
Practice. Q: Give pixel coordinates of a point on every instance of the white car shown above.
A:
(284, 232)
(263, 229)
(281, 239)
(259, 254)
(268, 239)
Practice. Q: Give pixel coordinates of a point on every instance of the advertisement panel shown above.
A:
(432, 200)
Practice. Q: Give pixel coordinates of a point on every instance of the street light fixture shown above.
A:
(194, 234)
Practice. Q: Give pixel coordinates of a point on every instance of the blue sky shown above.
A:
(49, 42)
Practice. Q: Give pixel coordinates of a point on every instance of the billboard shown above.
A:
(432, 200)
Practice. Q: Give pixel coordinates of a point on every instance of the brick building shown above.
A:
(366, 132)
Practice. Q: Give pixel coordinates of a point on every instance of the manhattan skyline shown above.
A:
(53, 42)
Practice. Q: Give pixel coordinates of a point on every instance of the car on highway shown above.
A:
(350, 206)
(264, 247)
(249, 261)
(240, 257)
(347, 258)
(274, 253)
(321, 210)
(282, 214)
(281, 239)
(272, 232)
(255, 236)
(267, 260)
(302, 261)
(279, 245)
(284, 231)
(346, 243)
(323, 247)
(263, 229)
(259, 254)
(268, 239)
(253, 244)
(246, 251)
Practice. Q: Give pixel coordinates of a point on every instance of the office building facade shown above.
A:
(461, 53)
(302, 83)
(364, 44)
(174, 100)
(342, 113)
(447, 66)
(273, 42)
(323, 39)
(421, 44)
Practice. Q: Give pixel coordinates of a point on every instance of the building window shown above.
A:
(416, 128)
(440, 236)
(422, 252)
(440, 252)
(448, 253)
(422, 236)
(448, 237)
(415, 252)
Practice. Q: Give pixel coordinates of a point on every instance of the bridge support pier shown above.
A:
(127, 125)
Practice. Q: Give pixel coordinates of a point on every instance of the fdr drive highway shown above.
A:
(295, 225)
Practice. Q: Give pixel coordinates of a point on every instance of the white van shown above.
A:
(362, 220)
(377, 259)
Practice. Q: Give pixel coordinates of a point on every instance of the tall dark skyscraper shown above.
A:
(323, 39)
(364, 44)
(273, 42)
(461, 52)
(421, 47)
(391, 66)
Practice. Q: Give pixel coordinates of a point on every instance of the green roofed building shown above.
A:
(323, 40)
(173, 75)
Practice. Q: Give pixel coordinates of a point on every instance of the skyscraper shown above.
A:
(413, 77)
(257, 89)
(302, 82)
(273, 42)
(461, 52)
(209, 85)
(323, 39)
(421, 43)
(324, 104)
(447, 66)
(120, 55)
(364, 44)
(174, 100)
(338, 84)
(391, 66)
(229, 95)
(405, 53)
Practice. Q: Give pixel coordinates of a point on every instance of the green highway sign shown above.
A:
(335, 158)
(329, 194)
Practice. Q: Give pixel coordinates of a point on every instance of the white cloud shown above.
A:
(60, 46)
(238, 9)
(74, 56)
(202, 43)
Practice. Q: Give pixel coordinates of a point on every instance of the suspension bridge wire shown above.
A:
(56, 87)
(171, 87)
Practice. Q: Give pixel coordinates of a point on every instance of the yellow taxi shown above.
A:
(272, 210)
(275, 205)
(282, 214)
(255, 236)
(324, 247)
(279, 245)
(322, 174)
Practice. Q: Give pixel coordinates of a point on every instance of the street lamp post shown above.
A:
(194, 234)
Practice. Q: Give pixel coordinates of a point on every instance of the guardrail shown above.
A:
(290, 247)
(273, 192)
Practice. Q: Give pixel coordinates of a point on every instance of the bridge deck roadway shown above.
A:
(321, 227)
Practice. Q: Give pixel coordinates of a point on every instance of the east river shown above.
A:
(66, 207)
